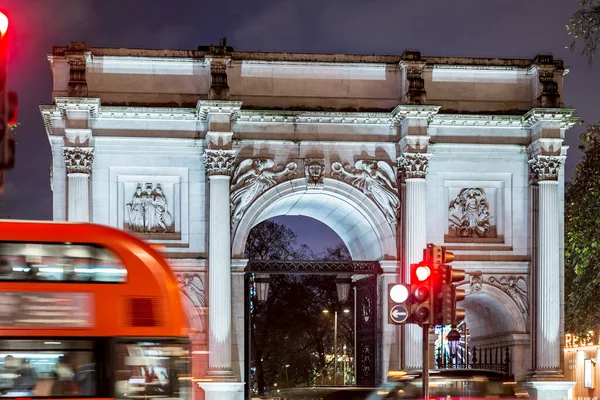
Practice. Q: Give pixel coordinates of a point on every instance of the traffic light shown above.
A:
(448, 314)
(422, 295)
(8, 105)
(399, 303)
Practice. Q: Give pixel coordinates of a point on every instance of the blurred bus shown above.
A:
(88, 311)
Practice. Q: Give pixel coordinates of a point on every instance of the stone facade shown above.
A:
(391, 152)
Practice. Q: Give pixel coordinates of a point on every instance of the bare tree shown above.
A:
(584, 28)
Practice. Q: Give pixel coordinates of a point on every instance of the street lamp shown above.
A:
(335, 323)
(342, 284)
(262, 287)
(453, 338)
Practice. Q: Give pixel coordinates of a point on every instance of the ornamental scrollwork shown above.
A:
(515, 287)
(313, 169)
(413, 165)
(349, 267)
(544, 168)
(251, 178)
(78, 160)
(469, 215)
(192, 284)
(219, 162)
(376, 180)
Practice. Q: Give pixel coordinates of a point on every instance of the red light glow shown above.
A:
(3, 23)
(422, 272)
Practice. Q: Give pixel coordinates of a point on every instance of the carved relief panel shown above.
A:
(148, 210)
(476, 210)
(376, 179)
(470, 216)
(251, 178)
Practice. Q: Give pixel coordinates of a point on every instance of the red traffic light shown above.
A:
(422, 272)
(3, 23)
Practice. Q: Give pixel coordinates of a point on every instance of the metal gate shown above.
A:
(367, 331)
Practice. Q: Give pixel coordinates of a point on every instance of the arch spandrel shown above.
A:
(348, 212)
(491, 312)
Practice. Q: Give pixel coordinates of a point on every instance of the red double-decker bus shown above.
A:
(88, 311)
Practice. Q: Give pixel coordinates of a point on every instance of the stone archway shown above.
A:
(347, 211)
(496, 322)
(350, 213)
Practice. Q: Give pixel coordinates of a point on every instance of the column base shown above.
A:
(221, 375)
(222, 390)
(547, 389)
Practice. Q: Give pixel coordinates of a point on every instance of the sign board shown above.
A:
(46, 309)
(398, 314)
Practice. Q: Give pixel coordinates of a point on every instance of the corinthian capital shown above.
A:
(79, 160)
(219, 162)
(544, 168)
(413, 165)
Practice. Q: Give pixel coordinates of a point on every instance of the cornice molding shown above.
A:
(482, 67)
(503, 121)
(206, 107)
(149, 113)
(91, 105)
(404, 111)
(567, 117)
(308, 117)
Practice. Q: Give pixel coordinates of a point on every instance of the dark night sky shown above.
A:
(470, 28)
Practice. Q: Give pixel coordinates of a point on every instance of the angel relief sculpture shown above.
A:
(516, 288)
(469, 215)
(376, 180)
(251, 178)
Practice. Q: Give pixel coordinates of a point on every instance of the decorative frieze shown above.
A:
(469, 215)
(413, 165)
(219, 162)
(148, 211)
(79, 160)
(376, 180)
(314, 169)
(545, 168)
(251, 178)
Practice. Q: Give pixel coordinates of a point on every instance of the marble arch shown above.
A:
(474, 147)
(347, 211)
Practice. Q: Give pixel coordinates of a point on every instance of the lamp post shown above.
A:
(335, 324)
(453, 338)
(262, 287)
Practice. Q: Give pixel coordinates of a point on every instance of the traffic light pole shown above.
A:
(425, 373)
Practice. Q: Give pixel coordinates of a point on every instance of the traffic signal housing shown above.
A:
(422, 284)
(399, 303)
(447, 313)
(8, 105)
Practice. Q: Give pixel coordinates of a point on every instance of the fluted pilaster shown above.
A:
(218, 168)
(78, 162)
(414, 168)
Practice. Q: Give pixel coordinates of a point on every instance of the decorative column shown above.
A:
(544, 172)
(78, 162)
(218, 168)
(413, 169)
(413, 162)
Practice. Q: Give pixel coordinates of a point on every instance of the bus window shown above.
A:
(152, 369)
(47, 368)
(66, 262)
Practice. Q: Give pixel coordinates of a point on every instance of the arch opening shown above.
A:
(348, 212)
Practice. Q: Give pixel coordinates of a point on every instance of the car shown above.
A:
(449, 384)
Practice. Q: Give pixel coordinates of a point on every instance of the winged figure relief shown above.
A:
(251, 178)
(376, 180)
(516, 288)
(193, 286)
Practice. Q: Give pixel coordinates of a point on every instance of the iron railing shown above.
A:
(489, 358)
